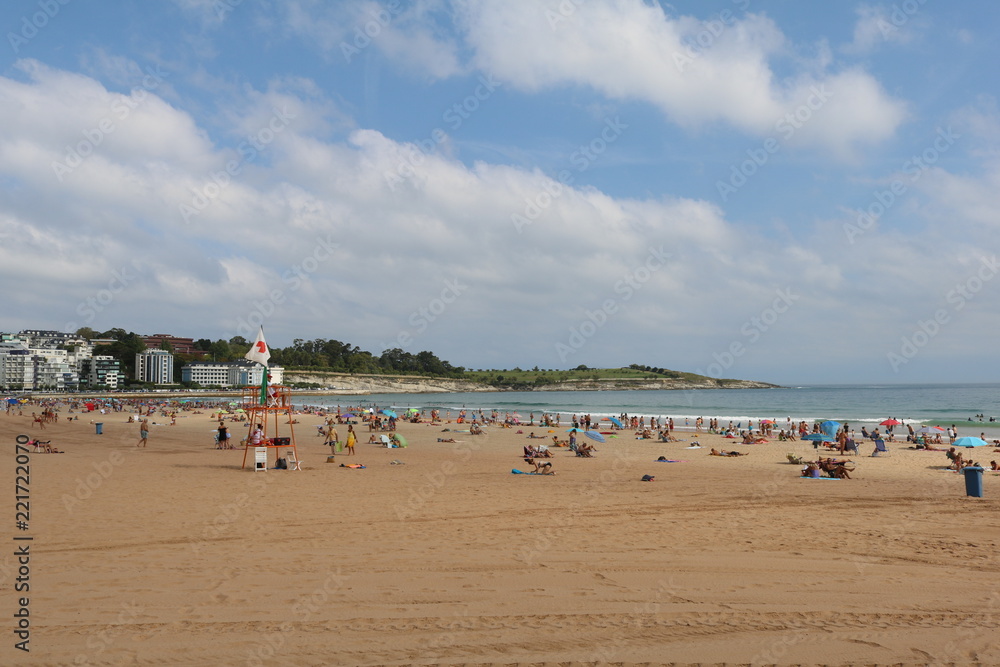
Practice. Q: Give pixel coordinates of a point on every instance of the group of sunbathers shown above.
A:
(541, 451)
(838, 468)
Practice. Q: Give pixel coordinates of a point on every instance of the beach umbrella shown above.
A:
(595, 435)
(574, 430)
(889, 422)
(412, 410)
(970, 441)
(389, 413)
(930, 429)
(616, 422)
(829, 427)
(818, 437)
(402, 440)
(348, 415)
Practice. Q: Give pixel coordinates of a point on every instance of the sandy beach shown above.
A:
(174, 555)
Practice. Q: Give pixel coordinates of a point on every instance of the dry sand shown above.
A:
(174, 555)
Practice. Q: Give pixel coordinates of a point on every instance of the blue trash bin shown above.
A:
(973, 481)
(100, 427)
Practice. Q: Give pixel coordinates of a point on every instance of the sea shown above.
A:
(858, 405)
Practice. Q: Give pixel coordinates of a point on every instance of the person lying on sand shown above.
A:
(725, 453)
(836, 467)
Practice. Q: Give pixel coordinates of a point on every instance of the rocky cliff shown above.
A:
(409, 384)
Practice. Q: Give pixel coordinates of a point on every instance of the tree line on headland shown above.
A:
(322, 355)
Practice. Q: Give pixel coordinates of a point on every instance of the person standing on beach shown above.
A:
(351, 439)
(143, 433)
(223, 435)
(331, 435)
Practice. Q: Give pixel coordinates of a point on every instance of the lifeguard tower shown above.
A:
(272, 409)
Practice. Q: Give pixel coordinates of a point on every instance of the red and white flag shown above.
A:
(259, 351)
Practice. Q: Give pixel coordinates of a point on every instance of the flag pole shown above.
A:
(263, 385)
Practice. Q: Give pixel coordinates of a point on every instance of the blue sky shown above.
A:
(786, 191)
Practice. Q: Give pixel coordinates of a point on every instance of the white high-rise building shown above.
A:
(154, 367)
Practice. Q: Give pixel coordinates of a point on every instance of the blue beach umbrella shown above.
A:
(616, 422)
(970, 441)
(595, 435)
(389, 413)
(574, 430)
(818, 437)
(830, 427)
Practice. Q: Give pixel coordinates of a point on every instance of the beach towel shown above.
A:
(669, 461)
(515, 471)
(819, 478)
(356, 466)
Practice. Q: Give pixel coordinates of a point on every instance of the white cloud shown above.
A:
(872, 29)
(407, 33)
(697, 73)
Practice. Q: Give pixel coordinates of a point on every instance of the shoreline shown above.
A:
(474, 402)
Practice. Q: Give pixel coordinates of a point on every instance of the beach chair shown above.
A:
(880, 448)
(292, 462)
(386, 442)
(852, 447)
(260, 459)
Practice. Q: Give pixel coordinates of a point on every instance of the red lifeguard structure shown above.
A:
(269, 408)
